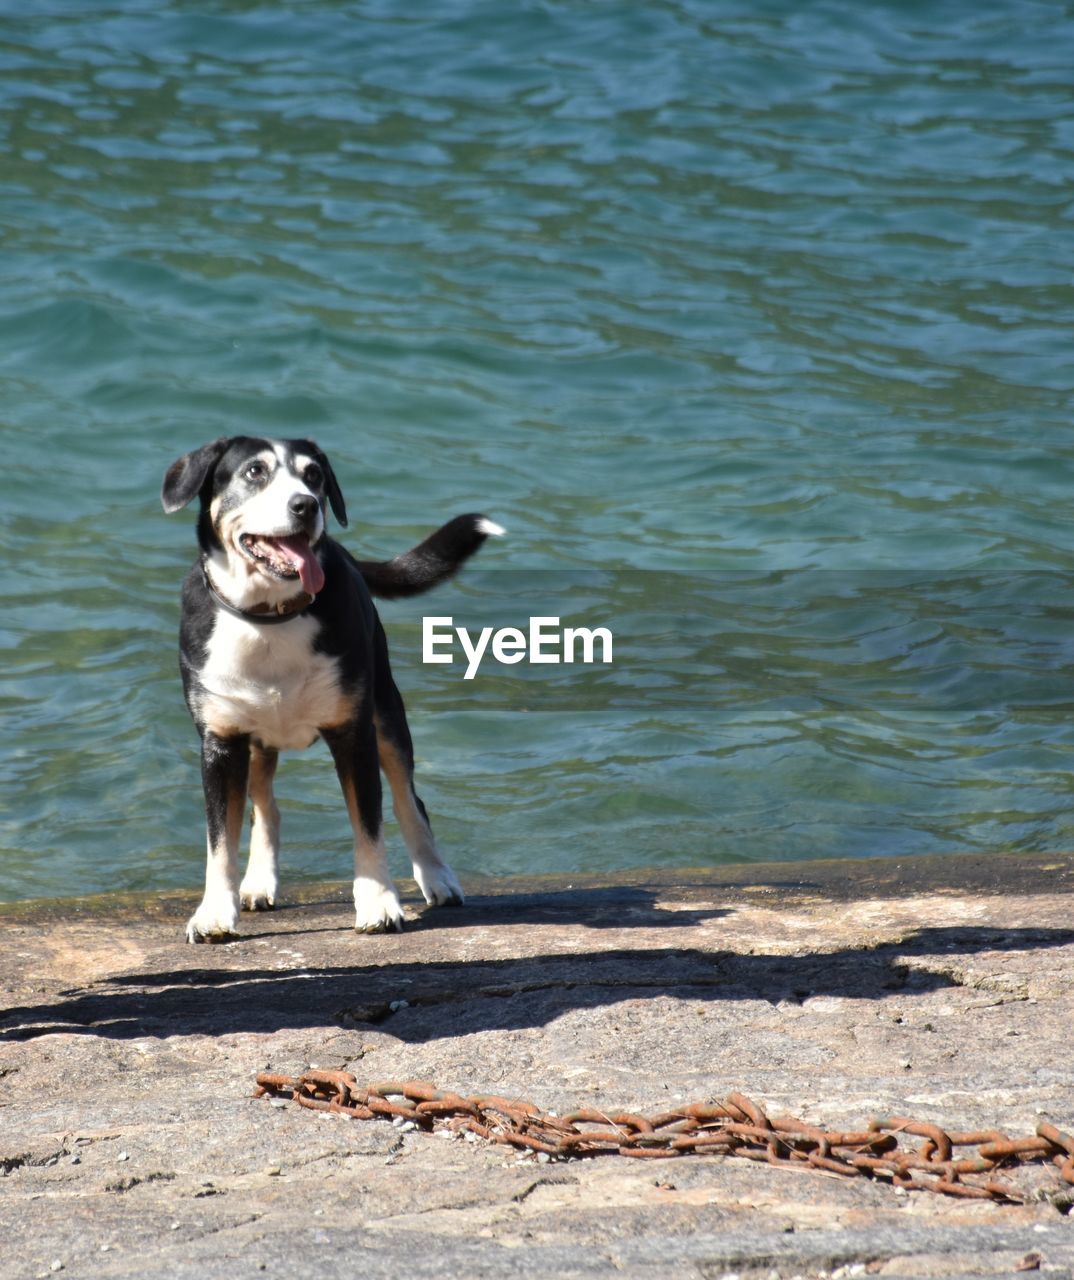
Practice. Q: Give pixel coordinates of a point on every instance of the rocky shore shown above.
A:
(131, 1143)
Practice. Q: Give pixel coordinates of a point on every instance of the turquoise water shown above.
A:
(751, 321)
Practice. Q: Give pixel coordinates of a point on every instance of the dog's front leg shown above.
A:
(225, 768)
(258, 889)
(354, 750)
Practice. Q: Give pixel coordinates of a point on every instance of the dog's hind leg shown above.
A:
(259, 885)
(435, 878)
(225, 766)
(354, 750)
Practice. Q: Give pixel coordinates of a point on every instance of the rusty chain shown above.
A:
(736, 1127)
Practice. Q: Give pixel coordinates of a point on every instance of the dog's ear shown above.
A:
(184, 478)
(332, 489)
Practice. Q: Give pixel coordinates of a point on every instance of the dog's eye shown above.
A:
(255, 471)
(313, 476)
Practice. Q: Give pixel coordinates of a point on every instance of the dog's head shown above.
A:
(263, 508)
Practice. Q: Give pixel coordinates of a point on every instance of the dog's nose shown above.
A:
(303, 505)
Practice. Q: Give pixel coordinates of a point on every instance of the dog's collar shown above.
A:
(263, 614)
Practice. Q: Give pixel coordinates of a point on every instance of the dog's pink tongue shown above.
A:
(300, 553)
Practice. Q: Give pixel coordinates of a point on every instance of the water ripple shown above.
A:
(700, 291)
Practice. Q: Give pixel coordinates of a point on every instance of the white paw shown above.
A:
(257, 892)
(376, 907)
(438, 886)
(214, 921)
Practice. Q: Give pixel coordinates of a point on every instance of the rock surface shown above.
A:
(130, 1143)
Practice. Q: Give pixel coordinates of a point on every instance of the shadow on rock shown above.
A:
(616, 907)
(457, 997)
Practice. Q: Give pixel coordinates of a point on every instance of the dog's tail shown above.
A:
(431, 562)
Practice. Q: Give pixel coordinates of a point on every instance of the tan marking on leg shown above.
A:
(435, 878)
(261, 881)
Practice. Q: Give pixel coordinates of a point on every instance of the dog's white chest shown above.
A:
(269, 681)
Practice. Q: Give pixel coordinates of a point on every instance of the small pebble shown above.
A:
(396, 1005)
(56, 1265)
(123, 1156)
(273, 1171)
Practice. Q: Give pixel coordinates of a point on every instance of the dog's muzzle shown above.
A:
(288, 556)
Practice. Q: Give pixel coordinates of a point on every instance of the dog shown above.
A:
(280, 644)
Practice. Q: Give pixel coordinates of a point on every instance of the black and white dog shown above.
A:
(280, 644)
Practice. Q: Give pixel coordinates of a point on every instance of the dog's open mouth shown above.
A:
(290, 557)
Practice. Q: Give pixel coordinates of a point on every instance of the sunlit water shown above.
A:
(751, 321)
